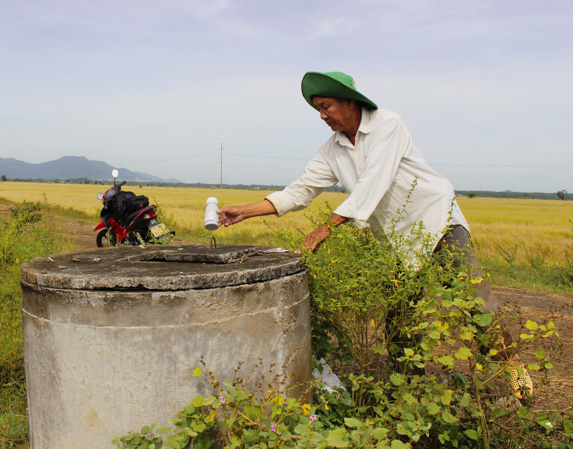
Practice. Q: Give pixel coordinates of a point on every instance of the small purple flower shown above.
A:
(273, 428)
(149, 433)
(264, 426)
(312, 418)
(223, 399)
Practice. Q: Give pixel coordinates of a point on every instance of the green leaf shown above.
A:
(466, 333)
(301, 429)
(483, 319)
(163, 430)
(498, 414)
(174, 441)
(197, 372)
(463, 353)
(198, 401)
(197, 427)
(235, 442)
(209, 400)
(526, 337)
(433, 408)
(531, 325)
(567, 427)
(448, 417)
(446, 398)
(397, 379)
(336, 438)
(546, 424)
(465, 402)
(446, 360)
(397, 444)
(353, 422)
(252, 411)
(189, 410)
(379, 433)
(471, 433)
(403, 428)
(286, 435)
(409, 399)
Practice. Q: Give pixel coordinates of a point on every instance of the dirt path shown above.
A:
(543, 307)
(538, 306)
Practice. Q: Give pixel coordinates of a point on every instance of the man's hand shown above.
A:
(319, 235)
(314, 239)
(230, 215)
(234, 214)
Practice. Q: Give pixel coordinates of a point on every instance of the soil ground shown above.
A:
(557, 391)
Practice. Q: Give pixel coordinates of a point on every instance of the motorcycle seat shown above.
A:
(126, 220)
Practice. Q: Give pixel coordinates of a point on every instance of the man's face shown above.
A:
(336, 112)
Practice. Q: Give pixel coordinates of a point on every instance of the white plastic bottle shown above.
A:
(211, 216)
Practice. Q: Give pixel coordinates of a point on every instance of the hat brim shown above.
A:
(319, 84)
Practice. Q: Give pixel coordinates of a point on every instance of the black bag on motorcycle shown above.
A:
(128, 202)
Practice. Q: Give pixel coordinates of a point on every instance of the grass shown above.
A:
(524, 243)
(23, 237)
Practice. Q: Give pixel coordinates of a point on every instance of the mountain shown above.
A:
(71, 167)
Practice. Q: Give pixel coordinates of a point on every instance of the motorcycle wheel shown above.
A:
(105, 239)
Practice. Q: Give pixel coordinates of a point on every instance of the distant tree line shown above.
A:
(561, 194)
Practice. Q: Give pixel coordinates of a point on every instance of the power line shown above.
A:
(270, 168)
(269, 157)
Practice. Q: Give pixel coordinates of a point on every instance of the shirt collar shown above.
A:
(366, 121)
(364, 128)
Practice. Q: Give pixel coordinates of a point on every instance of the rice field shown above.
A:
(521, 231)
(517, 231)
(183, 208)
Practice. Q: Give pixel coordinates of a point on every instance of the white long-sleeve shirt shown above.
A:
(378, 172)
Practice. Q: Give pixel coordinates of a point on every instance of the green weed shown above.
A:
(23, 236)
(419, 361)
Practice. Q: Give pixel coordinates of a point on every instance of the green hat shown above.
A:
(332, 84)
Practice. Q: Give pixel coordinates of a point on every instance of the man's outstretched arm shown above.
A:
(234, 214)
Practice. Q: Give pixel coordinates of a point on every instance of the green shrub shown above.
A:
(22, 237)
(407, 339)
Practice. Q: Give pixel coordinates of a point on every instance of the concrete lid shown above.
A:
(159, 268)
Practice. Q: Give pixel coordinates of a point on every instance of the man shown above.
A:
(391, 186)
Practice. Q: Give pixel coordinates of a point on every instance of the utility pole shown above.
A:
(221, 165)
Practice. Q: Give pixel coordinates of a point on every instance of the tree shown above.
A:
(471, 194)
(4, 178)
(562, 194)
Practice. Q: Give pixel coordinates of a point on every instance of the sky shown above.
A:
(161, 86)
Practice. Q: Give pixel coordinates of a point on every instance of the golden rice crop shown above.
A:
(523, 230)
(183, 207)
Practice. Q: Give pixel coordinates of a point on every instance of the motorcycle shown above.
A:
(128, 219)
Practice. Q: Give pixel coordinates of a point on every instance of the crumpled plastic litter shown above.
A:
(325, 375)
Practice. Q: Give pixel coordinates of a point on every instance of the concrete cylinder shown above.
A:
(112, 336)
